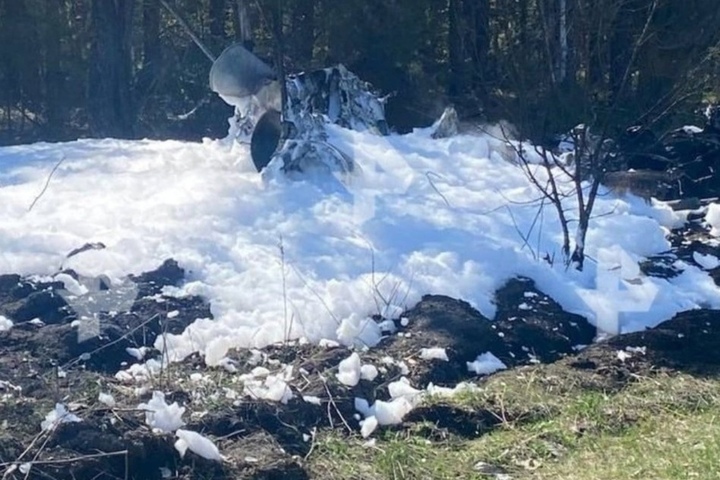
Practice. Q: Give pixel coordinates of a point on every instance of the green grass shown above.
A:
(668, 447)
(664, 427)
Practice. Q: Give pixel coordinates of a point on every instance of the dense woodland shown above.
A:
(129, 69)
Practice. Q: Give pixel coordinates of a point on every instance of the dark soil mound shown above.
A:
(529, 327)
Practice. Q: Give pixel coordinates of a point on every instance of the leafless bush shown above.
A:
(570, 182)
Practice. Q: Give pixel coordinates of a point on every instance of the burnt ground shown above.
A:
(43, 363)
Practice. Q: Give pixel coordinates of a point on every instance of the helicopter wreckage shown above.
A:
(291, 134)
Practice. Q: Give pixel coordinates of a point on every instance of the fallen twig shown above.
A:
(66, 460)
(102, 347)
(47, 183)
(331, 402)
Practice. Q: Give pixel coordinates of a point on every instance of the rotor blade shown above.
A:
(239, 73)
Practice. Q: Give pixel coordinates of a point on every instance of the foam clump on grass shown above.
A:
(260, 384)
(107, 399)
(198, 444)
(359, 331)
(403, 399)
(368, 372)
(141, 372)
(438, 391)
(713, 218)
(402, 388)
(161, 416)
(434, 354)
(350, 370)
(392, 412)
(368, 426)
(58, 415)
(486, 364)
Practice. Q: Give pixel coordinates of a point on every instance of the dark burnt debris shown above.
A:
(680, 164)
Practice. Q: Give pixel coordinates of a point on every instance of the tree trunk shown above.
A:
(547, 14)
(456, 51)
(243, 29)
(303, 31)
(482, 38)
(478, 39)
(523, 11)
(151, 34)
(217, 21)
(54, 77)
(621, 46)
(151, 51)
(564, 49)
(109, 79)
